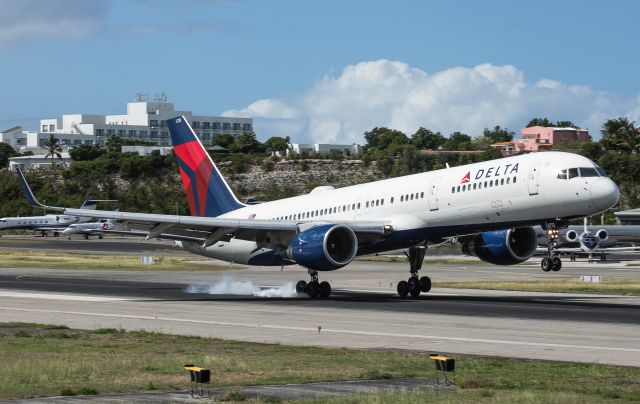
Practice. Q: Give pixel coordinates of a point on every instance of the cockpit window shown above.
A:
(601, 172)
(573, 172)
(588, 172)
(562, 174)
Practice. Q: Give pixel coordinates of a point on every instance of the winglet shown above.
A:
(28, 194)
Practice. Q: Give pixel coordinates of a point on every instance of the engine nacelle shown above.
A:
(602, 235)
(324, 248)
(503, 247)
(571, 236)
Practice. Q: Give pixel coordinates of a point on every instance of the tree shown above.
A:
(540, 122)
(6, 151)
(52, 144)
(382, 138)
(458, 141)
(498, 134)
(566, 124)
(426, 139)
(85, 153)
(246, 143)
(620, 135)
(223, 140)
(276, 144)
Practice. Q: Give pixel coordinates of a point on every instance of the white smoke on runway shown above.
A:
(228, 286)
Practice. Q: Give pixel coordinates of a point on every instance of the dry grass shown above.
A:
(70, 260)
(626, 287)
(39, 360)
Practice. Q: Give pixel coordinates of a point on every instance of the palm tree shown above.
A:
(620, 135)
(53, 147)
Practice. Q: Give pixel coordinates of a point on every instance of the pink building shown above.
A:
(538, 138)
(541, 138)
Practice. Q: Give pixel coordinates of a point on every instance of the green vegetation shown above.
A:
(152, 184)
(67, 260)
(627, 287)
(39, 361)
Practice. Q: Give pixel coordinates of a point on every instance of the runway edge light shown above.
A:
(197, 376)
(444, 366)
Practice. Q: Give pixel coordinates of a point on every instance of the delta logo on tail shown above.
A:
(207, 192)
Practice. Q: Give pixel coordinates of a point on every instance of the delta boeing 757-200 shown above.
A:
(489, 207)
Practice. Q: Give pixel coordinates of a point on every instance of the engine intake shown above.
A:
(503, 247)
(324, 247)
(571, 236)
(602, 234)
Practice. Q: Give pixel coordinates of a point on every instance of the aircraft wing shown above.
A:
(50, 229)
(210, 230)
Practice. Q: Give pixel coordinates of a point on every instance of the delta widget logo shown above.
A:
(466, 178)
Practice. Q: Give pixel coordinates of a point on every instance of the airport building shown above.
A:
(26, 163)
(144, 121)
(321, 148)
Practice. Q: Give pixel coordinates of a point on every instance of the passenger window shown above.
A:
(458, 190)
(508, 180)
(411, 196)
(514, 179)
(485, 184)
(421, 195)
(359, 204)
(588, 172)
(573, 172)
(562, 175)
(377, 202)
(501, 181)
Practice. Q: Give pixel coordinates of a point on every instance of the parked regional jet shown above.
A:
(90, 229)
(597, 240)
(489, 207)
(55, 224)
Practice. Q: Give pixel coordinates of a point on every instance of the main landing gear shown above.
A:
(314, 288)
(414, 286)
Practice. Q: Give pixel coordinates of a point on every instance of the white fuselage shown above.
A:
(89, 228)
(498, 194)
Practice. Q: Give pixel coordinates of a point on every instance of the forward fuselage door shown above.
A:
(432, 194)
(532, 179)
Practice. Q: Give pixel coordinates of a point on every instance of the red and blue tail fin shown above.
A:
(207, 191)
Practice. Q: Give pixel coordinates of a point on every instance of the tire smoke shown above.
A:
(228, 286)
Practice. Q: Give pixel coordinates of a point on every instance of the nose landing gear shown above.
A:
(314, 288)
(414, 286)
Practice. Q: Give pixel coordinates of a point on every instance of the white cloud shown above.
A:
(393, 94)
(23, 21)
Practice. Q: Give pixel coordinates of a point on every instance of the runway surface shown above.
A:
(363, 311)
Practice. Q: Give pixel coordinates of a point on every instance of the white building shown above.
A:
(321, 148)
(147, 150)
(37, 161)
(144, 121)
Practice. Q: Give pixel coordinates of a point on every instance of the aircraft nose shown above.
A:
(604, 193)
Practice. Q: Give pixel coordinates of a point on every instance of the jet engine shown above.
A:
(602, 235)
(503, 247)
(571, 236)
(324, 248)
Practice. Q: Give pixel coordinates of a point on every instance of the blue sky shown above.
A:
(325, 70)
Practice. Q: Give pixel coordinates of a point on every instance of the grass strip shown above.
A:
(49, 360)
(625, 287)
(71, 260)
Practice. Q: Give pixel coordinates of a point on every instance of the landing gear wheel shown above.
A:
(301, 287)
(414, 286)
(324, 290)
(556, 264)
(403, 289)
(312, 289)
(545, 264)
(425, 284)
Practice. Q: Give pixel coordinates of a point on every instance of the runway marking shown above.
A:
(57, 296)
(328, 330)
